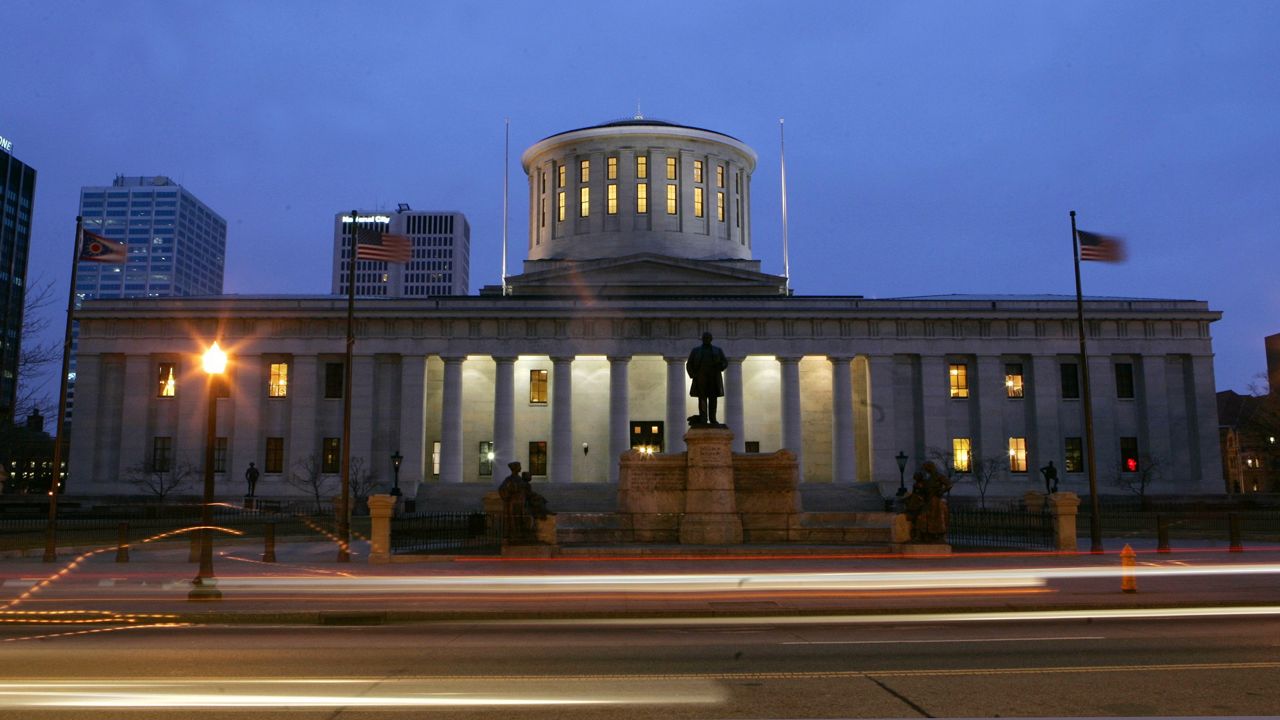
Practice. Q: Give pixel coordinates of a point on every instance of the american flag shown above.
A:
(374, 245)
(1102, 248)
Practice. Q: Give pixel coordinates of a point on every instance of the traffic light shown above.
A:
(1131, 464)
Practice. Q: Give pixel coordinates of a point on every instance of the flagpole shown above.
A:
(344, 513)
(51, 526)
(786, 255)
(1095, 524)
(506, 152)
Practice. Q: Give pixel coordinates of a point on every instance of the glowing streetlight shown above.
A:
(204, 587)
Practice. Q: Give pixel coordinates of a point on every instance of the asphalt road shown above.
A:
(696, 668)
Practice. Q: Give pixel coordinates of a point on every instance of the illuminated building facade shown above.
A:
(17, 199)
(581, 357)
(441, 262)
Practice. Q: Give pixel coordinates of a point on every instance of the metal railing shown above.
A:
(1008, 529)
(461, 533)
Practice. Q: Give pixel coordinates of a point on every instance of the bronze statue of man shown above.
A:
(705, 367)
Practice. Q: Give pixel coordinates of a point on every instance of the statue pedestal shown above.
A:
(710, 507)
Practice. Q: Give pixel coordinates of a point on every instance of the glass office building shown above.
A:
(17, 197)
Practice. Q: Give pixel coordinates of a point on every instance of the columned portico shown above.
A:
(619, 412)
(844, 467)
(734, 415)
(792, 433)
(675, 404)
(561, 419)
(451, 421)
(504, 411)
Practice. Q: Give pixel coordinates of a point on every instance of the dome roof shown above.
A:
(641, 122)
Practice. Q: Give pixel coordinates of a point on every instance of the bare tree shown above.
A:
(160, 481)
(984, 470)
(307, 475)
(944, 461)
(37, 356)
(1150, 472)
(362, 484)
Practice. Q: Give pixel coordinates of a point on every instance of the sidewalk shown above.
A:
(307, 585)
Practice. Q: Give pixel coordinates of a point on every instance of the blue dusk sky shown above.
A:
(931, 147)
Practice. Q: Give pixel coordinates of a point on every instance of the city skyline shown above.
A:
(956, 137)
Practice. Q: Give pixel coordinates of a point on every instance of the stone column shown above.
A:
(1044, 392)
(381, 508)
(1153, 396)
(676, 393)
(504, 411)
(843, 462)
(792, 433)
(734, 412)
(885, 443)
(304, 393)
(710, 507)
(935, 394)
(1206, 462)
(562, 419)
(451, 421)
(248, 395)
(619, 413)
(991, 397)
(1063, 506)
(139, 390)
(413, 423)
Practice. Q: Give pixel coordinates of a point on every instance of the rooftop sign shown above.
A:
(6, 144)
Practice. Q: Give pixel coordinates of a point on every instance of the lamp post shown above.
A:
(901, 457)
(396, 459)
(204, 587)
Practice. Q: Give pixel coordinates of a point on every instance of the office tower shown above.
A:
(441, 243)
(17, 196)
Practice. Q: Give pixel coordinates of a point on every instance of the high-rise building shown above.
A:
(17, 196)
(177, 244)
(441, 262)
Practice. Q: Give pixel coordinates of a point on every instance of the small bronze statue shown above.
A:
(535, 503)
(926, 507)
(514, 492)
(1050, 478)
(251, 477)
(705, 367)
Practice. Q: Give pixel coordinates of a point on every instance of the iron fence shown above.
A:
(1007, 529)
(464, 533)
(1256, 525)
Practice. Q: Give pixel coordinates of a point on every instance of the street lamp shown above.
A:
(901, 457)
(204, 587)
(396, 459)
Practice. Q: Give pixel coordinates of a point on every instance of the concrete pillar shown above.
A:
(935, 390)
(885, 443)
(451, 421)
(1064, 506)
(792, 432)
(139, 389)
(562, 419)
(619, 413)
(1153, 396)
(85, 453)
(677, 391)
(504, 411)
(1206, 462)
(843, 458)
(734, 414)
(1043, 391)
(243, 427)
(991, 398)
(381, 508)
(304, 389)
(413, 423)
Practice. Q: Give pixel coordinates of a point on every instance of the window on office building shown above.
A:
(167, 385)
(642, 198)
(720, 176)
(642, 167)
(334, 378)
(331, 455)
(1013, 380)
(561, 201)
(1017, 454)
(486, 457)
(1073, 455)
(560, 176)
(1070, 381)
(435, 458)
(537, 387)
(274, 462)
(697, 202)
(720, 206)
(538, 457)
(671, 200)
(161, 453)
(584, 202)
(697, 171)
(611, 169)
(671, 168)
(1124, 381)
(584, 171)
(220, 455)
(278, 384)
(961, 454)
(611, 199)
(958, 374)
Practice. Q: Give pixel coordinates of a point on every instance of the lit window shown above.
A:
(1074, 455)
(274, 461)
(671, 199)
(611, 168)
(584, 171)
(959, 373)
(1124, 381)
(1017, 454)
(435, 457)
(331, 455)
(697, 202)
(671, 168)
(560, 204)
(720, 176)
(612, 197)
(584, 202)
(1129, 454)
(538, 387)
(642, 167)
(961, 454)
(720, 206)
(1013, 380)
(697, 171)
(560, 175)
(538, 458)
(642, 198)
(168, 384)
(278, 386)
(486, 457)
